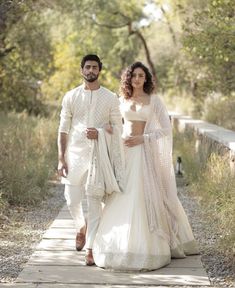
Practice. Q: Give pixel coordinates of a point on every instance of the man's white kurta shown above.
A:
(83, 109)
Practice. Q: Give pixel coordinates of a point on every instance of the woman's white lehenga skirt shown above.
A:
(123, 240)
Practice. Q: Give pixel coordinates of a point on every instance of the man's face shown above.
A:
(90, 71)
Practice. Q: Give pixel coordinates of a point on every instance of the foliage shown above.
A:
(28, 154)
(94, 32)
(25, 65)
(189, 43)
(208, 39)
(219, 110)
(210, 180)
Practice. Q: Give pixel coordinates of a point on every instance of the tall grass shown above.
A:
(28, 158)
(210, 179)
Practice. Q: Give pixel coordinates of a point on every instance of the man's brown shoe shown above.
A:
(80, 241)
(89, 260)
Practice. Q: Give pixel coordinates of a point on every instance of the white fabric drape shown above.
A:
(106, 168)
(161, 198)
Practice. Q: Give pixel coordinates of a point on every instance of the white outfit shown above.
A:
(135, 233)
(82, 109)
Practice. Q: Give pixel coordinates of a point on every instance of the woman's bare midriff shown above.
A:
(134, 128)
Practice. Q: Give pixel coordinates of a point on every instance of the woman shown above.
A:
(144, 227)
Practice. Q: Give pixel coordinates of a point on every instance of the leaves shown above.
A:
(209, 42)
(189, 43)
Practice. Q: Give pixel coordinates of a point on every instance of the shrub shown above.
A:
(210, 179)
(28, 155)
(220, 111)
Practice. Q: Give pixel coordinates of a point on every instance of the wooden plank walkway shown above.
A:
(55, 263)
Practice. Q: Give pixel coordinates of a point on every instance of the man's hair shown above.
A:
(91, 57)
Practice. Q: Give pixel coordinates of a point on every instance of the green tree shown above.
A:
(24, 55)
(209, 42)
(91, 27)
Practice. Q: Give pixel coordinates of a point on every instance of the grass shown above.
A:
(28, 158)
(208, 174)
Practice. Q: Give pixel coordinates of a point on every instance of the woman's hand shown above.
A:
(108, 128)
(134, 140)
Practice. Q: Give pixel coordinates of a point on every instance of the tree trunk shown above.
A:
(147, 53)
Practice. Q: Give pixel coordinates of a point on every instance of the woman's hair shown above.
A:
(126, 88)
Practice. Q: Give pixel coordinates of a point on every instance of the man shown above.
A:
(85, 110)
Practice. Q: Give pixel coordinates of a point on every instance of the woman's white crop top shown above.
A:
(141, 113)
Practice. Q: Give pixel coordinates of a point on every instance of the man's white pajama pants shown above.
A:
(76, 201)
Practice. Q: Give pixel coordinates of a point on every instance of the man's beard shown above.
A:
(90, 77)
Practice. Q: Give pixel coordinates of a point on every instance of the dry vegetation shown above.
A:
(210, 178)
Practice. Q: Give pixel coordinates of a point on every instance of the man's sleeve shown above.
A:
(115, 114)
(65, 115)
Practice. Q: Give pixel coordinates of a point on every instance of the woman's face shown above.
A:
(138, 78)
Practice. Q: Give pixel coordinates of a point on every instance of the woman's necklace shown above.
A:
(138, 100)
(135, 102)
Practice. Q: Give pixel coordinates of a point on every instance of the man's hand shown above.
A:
(62, 168)
(134, 140)
(91, 133)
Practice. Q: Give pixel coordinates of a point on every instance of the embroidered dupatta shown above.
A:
(107, 164)
(159, 179)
